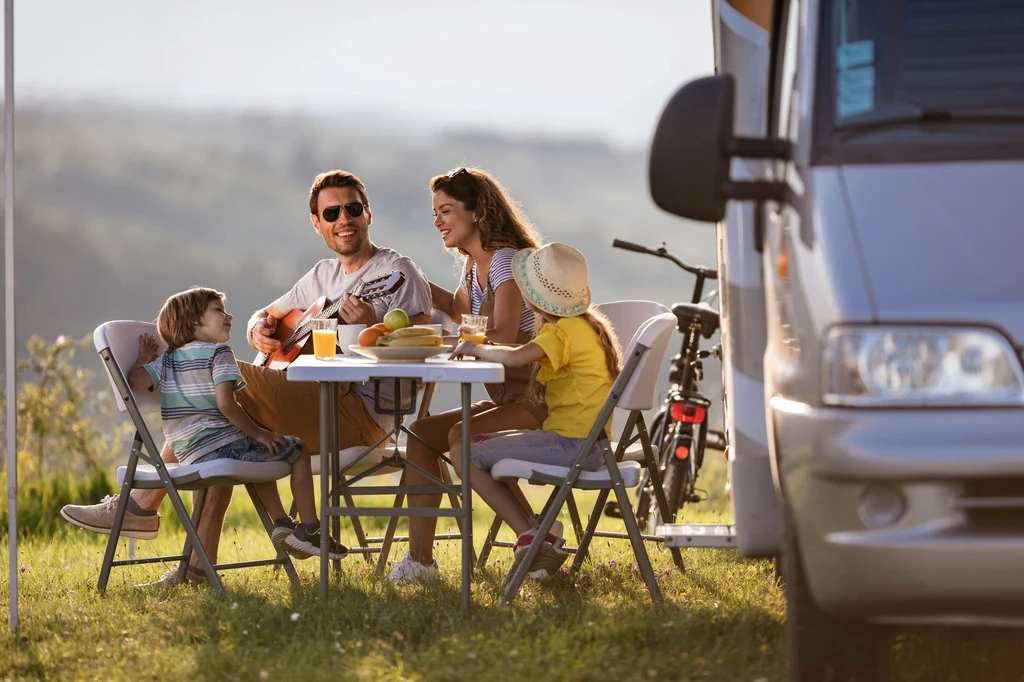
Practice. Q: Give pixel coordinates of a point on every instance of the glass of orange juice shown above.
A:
(325, 338)
(474, 328)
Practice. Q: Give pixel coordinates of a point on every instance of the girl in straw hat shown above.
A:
(577, 359)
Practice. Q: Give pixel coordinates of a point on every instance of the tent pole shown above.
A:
(12, 395)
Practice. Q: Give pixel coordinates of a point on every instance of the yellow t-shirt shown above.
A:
(575, 377)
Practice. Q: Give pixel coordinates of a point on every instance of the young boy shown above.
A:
(197, 377)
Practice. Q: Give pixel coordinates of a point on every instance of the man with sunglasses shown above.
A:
(340, 213)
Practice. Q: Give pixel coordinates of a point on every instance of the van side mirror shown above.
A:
(692, 150)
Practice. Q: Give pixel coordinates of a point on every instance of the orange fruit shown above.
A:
(369, 336)
(383, 328)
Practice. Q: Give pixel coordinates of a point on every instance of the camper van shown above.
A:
(863, 164)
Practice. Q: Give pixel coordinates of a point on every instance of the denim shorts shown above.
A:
(248, 450)
(542, 447)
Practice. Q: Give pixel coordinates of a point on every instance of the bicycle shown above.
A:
(680, 433)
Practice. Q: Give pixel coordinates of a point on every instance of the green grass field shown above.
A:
(722, 619)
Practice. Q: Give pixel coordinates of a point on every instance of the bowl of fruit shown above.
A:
(395, 340)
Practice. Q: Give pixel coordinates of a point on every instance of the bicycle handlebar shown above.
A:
(662, 252)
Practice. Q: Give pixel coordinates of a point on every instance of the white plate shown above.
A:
(401, 353)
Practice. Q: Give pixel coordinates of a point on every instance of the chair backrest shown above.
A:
(438, 316)
(626, 317)
(640, 389)
(122, 338)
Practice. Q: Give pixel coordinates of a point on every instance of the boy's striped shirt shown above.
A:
(187, 380)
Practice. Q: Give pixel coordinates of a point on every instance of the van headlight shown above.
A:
(911, 366)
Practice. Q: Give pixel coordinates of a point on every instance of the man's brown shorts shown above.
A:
(292, 408)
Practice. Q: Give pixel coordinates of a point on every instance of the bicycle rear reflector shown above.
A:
(682, 452)
(688, 413)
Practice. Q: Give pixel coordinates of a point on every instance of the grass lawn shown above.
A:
(722, 619)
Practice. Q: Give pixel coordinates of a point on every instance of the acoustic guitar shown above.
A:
(296, 327)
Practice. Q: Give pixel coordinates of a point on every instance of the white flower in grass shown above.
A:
(295, 617)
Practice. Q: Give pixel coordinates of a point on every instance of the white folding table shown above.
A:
(348, 368)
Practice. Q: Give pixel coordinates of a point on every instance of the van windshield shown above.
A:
(921, 72)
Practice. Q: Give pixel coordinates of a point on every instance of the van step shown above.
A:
(698, 534)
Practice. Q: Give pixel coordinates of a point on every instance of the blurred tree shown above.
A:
(60, 411)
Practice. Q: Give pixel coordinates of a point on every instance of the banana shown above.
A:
(412, 331)
(430, 340)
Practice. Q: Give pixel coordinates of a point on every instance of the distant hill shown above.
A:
(118, 208)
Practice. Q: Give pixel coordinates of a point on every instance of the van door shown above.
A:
(742, 49)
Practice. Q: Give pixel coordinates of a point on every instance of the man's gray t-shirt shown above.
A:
(328, 278)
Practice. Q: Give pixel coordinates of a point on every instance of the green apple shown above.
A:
(396, 319)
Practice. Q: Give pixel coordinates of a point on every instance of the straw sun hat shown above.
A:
(553, 278)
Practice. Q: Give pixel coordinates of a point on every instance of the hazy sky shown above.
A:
(579, 67)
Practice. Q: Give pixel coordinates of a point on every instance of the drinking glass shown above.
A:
(474, 328)
(325, 338)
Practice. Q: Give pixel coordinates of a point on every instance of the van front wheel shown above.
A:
(820, 646)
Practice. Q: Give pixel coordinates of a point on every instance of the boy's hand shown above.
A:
(270, 440)
(149, 348)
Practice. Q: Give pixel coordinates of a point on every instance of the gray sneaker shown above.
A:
(100, 517)
(282, 529)
(171, 579)
(303, 544)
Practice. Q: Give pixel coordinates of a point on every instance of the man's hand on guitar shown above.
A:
(262, 338)
(355, 311)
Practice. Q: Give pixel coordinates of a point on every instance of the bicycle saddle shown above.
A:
(701, 313)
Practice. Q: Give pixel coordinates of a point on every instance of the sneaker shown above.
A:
(408, 571)
(282, 529)
(171, 579)
(100, 517)
(549, 558)
(302, 544)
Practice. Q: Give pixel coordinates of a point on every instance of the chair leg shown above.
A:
(389, 532)
(492, 535)
(583, 550)
(639, 551)
(453, 500)
(119, 511)
(268, 525)
(574, 517)
(357, 528)
(659, 493)
(548, 516)
(186, 552)
(193, 539)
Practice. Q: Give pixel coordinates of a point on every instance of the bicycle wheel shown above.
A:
(675, 479)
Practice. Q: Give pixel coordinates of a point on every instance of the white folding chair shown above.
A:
(628, 316)
(633, 390)
(118, 345)
(625, 317)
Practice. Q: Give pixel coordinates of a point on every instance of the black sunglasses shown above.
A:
(456, 173)
(353, 208)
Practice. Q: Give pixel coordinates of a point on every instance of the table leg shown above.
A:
(467, 500)
(335, 470)
(325, 479)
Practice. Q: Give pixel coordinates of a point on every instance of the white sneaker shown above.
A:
(410, 571)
